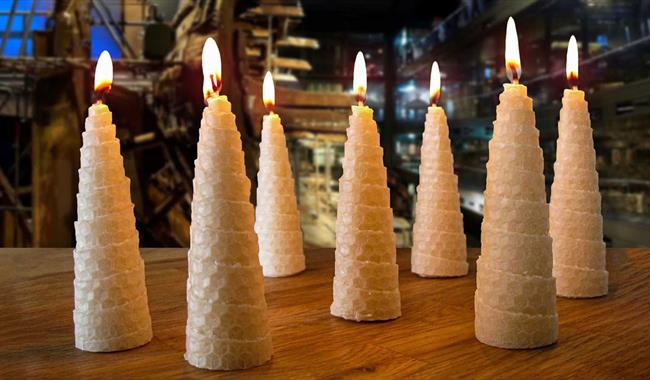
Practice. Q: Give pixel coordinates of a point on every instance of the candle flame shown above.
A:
(572, 63)
(513, 62)
(211, 62)
(360, 80)
(268, 92)
(103, 76)
(434, 84)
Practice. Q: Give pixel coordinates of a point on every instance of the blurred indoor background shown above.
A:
(48, 48)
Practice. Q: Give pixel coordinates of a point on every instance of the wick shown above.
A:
(574, 88)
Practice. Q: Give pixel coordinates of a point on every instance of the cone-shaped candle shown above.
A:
(277, 220)
(110, 297)
(439, 248)
(366, 275)
(515, 295)
(576, 221)
(227, 325)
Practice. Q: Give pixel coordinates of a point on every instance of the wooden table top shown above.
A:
(604, 337)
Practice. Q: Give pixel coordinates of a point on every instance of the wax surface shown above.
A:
(575, 215)
(439, 248)
(366, 284)
(227, 326)
(277, 219)
(515, 296)
(111, 309)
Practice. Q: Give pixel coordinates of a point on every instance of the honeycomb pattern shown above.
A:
(223, 214)
(227, 354)
(365, 217)
(228, 285)
(579, 253)
(134, 339)
(365, 245)
(227, 324)
(576, 223)
(369, 174)
(445, 241)
(230, 187)
(102, 175)
(516, 252)
(366, 284)
(282, 265)
(436, 266)
(354, 192)
(111, 308)
(511, 330)
(518, 216)
(366, 274)
(364, 305)
(521, 157)
(515, 296)
(515, 292)
(101, 152)
(277, 222)
(515, 184)
(576, 200)
(113, 321)
(277, 219)
(580, 282)
(578, 180)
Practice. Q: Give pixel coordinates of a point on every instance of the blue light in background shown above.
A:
(12, 48)
(100, 38)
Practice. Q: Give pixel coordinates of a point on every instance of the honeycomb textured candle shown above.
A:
(110, 297)
(515, 295)
(366, 274)
(277, 220)
(439, 248)
(227, 325)
(576, 221)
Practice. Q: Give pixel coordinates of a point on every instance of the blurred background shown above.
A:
(48, 50)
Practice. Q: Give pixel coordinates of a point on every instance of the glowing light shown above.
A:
(103, 76)
(268, 92)
(434, 84)
(360, 81)
(513, 61)
(211, 63)
(572, 63)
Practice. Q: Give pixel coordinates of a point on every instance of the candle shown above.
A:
(227, 326)
(439, 247)
(366, 275)
(515, 295)
(111, 309)
(277, 220)
(576, 223)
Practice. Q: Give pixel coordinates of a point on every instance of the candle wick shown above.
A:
(360, 103)
(574, 87)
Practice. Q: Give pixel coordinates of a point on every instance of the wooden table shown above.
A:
(605, 337)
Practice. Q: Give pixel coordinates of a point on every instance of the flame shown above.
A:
(434, 84)
(572, 62)
(360, 81)
(268, 92)
(103, 76)
(513, 62)
(211, 62)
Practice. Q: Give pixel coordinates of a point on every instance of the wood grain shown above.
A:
(601, 338)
